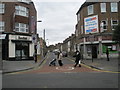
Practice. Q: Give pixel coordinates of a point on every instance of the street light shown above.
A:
(39, 21)
(35, 44)
(100, 39)
(91, 40)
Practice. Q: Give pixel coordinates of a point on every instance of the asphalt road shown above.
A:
(60, 77)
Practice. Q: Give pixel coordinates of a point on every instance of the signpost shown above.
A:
(91, 40)
(34, 40)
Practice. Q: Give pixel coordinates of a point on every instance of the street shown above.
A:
(60, 77)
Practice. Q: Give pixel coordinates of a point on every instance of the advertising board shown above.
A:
(91, 24)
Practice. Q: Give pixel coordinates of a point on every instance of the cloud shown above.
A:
(58, 19)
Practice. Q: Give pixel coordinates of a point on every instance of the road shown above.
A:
(66, 76)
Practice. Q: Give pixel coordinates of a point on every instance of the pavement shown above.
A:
(21, 65)
(100, 64)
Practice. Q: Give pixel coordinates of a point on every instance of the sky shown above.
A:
(58, 19)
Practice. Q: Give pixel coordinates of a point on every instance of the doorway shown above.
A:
(22, 50)
(94, 51)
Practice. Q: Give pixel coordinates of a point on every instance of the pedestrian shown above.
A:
(78, 58)
(107, 53)
(60, 59)
(35, 57)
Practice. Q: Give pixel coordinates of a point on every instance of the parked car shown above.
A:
(56, 51)
(64, 53)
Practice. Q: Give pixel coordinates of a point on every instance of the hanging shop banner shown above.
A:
(91, 24)
(2, 36)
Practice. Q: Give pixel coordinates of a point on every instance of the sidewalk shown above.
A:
(15, 66)
(103, 64)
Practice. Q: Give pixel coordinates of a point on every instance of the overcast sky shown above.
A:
(58, 18)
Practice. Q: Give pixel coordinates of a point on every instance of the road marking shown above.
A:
(94, 68)
(64, 68)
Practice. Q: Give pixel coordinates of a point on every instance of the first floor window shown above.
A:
(2, 7)
(82, 29)
(114, 23)
(78, 17)
(21, 27)
(104, 27)
(2, 26)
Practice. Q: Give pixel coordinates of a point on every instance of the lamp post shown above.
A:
(35, 44)
(91, 40)
(100, 39)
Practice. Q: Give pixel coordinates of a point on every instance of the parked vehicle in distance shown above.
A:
(64, 53)
(56, 51)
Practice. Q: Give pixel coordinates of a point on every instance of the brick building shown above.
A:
(96, 22)
(17, 26)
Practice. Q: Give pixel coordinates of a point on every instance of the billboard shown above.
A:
(91, 24)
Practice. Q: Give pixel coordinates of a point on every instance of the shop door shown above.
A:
(22, 50)
(94, 51)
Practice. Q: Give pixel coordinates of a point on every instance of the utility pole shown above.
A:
(44, 34)
(44, 42)
(0, 54)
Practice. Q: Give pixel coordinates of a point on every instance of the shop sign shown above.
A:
(2, 36)
(22, 37)
(91, 24)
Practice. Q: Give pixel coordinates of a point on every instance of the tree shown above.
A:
(116, 37)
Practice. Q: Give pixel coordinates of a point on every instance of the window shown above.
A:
(21, 27)
(2, 8)
(114, 7)
(103, 7)
(78, 17)
(90, 9)
(114, 23)
(25, 1)
(104, 27)
(23, 11)
(2, 26)
(76, 32)
(81, 29)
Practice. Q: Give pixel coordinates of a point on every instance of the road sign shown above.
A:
(34, 39)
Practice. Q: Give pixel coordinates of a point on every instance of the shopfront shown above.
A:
(20, 47)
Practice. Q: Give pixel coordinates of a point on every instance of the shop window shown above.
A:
(111, 48)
